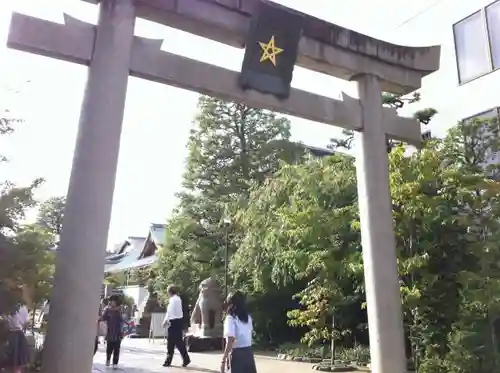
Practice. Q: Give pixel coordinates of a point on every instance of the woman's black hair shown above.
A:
(116, 299)
(237, 306)
(15, 309)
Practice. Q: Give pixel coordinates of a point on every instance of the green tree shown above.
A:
(14, 202)
(115, 279)
(301, 225)
(446, 213)
(35, 261)
(232, 148)
(51, 213)
(432, 202)
(474, 341)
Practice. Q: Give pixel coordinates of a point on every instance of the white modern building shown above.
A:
(468, 81)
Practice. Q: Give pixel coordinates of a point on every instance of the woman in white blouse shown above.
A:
(238, 355)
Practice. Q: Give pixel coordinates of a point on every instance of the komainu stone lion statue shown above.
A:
(207, 312)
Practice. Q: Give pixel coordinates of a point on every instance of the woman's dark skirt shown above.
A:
(17, 349)
(242, 360)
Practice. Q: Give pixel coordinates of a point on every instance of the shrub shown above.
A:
(358, 353)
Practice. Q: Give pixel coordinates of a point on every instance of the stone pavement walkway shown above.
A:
(139, 356)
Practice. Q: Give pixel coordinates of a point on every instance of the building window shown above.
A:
(426, 135)
(477, 43)
(472, 47)
(493, 19)
(485, 134)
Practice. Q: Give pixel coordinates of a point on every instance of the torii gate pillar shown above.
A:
(74, 303)
(385, 322)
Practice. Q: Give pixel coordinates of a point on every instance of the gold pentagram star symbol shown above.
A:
(269, 51)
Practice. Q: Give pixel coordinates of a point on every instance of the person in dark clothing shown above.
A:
(96, 343)
(174, 320)
(17, 351)
(114, 321)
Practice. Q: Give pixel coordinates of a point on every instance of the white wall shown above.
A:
(138, 293)
(441, 90)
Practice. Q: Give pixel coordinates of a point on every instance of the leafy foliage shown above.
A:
(35, 262)
(292, 192)
(396, 102)
(51, 214)
(14, 201)
(26, 267)
(232, 148)
(303, 225)
(294, 236)
(437, 208)
(115, 279)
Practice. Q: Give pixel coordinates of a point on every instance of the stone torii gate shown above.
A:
(112, 53)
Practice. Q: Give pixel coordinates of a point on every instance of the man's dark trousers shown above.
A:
(175, 339)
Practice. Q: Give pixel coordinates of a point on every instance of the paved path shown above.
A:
(139, 356)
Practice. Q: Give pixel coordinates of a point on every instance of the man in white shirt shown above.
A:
(174, 319)
(44, 314)
(46, 307)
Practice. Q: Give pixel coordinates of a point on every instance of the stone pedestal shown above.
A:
(152, 305)
(198, 344)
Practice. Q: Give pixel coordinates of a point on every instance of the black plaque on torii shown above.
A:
(271, 49)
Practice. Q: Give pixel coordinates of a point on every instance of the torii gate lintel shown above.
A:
(324, 47)
(73, 41)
